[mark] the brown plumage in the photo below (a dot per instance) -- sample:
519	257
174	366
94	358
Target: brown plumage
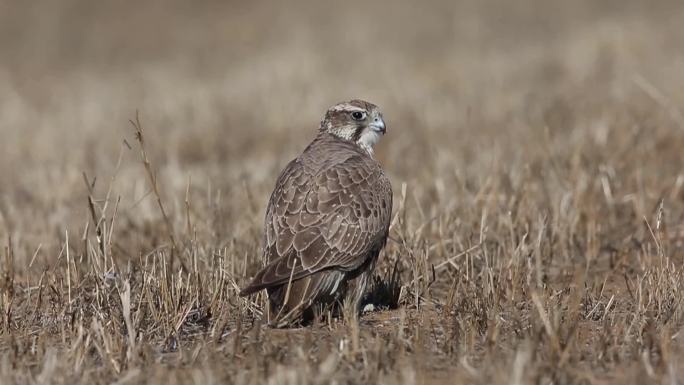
327	219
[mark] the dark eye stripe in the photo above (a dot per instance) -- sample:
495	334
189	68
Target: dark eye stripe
357	134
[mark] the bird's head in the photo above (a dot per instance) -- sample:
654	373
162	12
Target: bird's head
357	121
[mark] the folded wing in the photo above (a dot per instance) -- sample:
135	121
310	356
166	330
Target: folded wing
332	218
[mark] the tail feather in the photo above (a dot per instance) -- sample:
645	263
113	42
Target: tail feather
249	290
289	304
273	275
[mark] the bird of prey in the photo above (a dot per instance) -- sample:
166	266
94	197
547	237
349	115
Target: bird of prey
327	219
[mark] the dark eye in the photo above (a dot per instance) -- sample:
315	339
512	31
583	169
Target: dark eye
358	115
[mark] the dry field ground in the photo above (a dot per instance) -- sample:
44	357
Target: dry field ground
535	148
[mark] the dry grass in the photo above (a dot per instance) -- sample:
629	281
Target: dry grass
535	148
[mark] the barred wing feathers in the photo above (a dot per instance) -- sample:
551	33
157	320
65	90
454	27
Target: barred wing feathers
322	215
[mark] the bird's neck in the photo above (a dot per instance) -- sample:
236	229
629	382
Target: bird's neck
365	141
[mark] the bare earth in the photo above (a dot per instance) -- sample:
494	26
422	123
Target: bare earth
535	148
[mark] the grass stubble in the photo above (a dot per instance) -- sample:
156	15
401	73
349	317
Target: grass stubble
536	234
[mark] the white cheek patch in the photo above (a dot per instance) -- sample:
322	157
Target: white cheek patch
368	139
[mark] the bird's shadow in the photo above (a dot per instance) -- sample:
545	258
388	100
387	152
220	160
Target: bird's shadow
384	292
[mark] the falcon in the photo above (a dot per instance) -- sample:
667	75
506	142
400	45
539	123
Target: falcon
327	219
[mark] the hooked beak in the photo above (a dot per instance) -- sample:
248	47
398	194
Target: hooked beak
378	125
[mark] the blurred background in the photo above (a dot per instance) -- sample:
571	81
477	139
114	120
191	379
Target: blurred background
228	92
543	137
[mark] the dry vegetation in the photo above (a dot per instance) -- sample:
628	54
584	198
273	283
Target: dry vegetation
535	148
